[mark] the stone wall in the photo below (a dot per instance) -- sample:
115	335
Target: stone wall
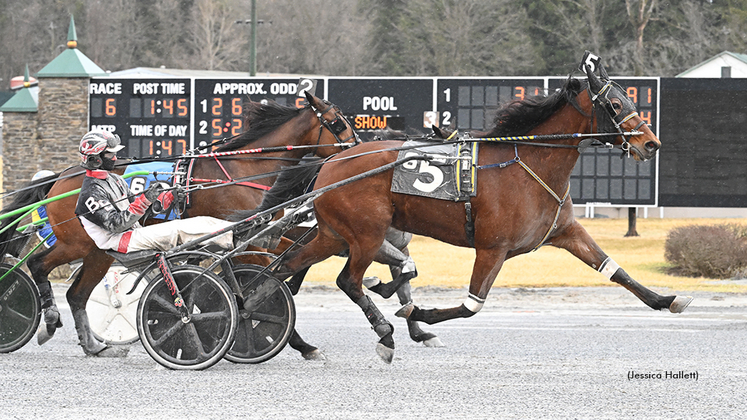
21	154
49	138
63	120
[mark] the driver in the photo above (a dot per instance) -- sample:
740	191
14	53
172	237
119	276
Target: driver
110	215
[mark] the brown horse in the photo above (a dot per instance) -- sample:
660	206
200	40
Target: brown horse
518	206
318	124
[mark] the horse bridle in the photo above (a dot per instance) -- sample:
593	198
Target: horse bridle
339	124
627	111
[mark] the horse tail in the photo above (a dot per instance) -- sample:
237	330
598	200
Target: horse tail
292	182
11	242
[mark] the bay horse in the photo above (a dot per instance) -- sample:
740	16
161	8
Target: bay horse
519	205
318	124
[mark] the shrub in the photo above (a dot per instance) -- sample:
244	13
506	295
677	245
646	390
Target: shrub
718	251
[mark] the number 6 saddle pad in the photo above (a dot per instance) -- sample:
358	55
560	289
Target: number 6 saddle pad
449	174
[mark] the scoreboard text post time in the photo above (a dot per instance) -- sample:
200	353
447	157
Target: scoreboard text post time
151	116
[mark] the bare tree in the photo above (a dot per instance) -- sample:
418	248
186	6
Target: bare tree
313	37
465	38
216	40
639	14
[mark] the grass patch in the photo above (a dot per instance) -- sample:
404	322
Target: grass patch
443	265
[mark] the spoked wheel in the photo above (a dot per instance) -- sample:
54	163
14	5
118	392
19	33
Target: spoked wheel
111	310
199	340
267	318
20	309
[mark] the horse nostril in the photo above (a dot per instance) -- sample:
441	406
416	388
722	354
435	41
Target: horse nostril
651	146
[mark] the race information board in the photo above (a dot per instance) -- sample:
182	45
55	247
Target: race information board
601	176
163	117
151	116
703	144
219	102
469	103
373	104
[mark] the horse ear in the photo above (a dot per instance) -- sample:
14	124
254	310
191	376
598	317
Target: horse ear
309	97
594	82
603	72
437	131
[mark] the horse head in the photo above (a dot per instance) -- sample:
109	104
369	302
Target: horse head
616	113
338	128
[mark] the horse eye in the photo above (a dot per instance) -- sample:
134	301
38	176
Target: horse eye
617	105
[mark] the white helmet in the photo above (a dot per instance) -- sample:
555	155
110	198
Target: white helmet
42	174
96	142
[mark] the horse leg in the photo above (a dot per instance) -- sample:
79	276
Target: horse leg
404	293
488	263
307	351
394	253
93	270
578	242
401	266
294	283
40	265
297	264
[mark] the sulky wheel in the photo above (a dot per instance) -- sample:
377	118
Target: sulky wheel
198	341
20	309
111	310
267	318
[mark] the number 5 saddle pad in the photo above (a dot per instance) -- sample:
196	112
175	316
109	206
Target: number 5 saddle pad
449	174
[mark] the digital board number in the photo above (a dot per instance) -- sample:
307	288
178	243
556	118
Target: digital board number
467	104
152	117
219	103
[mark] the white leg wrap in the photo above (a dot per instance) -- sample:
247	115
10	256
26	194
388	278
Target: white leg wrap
609	267
473	303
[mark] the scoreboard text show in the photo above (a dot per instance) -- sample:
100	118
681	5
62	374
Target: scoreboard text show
169	116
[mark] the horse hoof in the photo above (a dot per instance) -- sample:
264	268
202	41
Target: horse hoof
45	333
315	355
385	353
114	351
52	317
405	311
433	342
679	304
370	282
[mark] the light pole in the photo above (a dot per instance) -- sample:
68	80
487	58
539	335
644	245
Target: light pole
253	41
253	22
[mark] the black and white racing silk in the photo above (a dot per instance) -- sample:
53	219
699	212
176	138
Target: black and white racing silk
103	207
109	216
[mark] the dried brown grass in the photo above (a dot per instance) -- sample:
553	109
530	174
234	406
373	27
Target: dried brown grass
642	257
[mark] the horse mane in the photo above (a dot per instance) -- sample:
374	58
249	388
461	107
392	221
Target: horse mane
290	183
519	117
261	119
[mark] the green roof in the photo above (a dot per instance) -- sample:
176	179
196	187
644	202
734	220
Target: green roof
71	63
23	101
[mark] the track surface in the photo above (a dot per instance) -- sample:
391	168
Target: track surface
529	354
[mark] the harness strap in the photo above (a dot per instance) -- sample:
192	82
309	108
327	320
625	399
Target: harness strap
560	201
555	221
230	179
469	225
